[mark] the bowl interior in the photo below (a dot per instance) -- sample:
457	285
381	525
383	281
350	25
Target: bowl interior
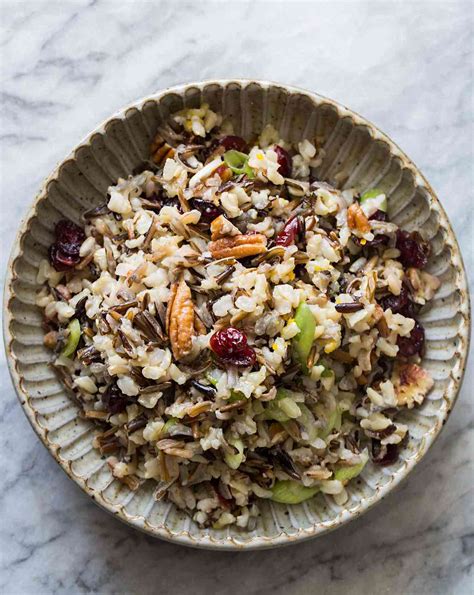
356	155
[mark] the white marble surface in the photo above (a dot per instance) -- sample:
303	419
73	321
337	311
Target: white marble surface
65	66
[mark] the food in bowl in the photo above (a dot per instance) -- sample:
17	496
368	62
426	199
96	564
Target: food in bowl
238	329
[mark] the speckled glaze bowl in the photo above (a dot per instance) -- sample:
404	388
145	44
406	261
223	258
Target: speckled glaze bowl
357	155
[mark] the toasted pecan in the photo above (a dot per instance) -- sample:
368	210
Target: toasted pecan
238	246
180	319
356	218
221	227
160	150
412	384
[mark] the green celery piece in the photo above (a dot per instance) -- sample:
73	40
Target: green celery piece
303	341
346	473
169	424
234	461
334	422
74	328
292	492
273	411
373	194
308	422
238	163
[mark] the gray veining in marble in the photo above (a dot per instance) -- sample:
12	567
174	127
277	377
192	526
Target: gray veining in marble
65	66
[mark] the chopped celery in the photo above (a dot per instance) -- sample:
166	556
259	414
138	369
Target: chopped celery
308	422
303	341
333	423
373	194
282	408
292	492
74	328
238	163
234	461
168	425
345	473
289	407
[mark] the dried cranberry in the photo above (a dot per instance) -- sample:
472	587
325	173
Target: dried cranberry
289	233
235	143
413	344
173	202
384	454
400	304
114	399
396	303
414	251
378	216
69	237
155	197
209	211
60	260
284	161
230	346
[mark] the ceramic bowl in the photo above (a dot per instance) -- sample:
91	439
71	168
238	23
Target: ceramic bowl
357	155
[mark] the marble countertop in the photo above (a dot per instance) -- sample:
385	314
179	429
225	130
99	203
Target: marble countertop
65	66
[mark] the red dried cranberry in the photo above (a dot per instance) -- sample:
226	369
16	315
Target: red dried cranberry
234	143
209	211
289	233
114	399
230	346
60	260
414	251
173	202
284	161
384	454
396	303
155	197
69	237
400	304
378	216
413	344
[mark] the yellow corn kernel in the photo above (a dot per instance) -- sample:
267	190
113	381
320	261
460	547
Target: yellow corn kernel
331	346
363	242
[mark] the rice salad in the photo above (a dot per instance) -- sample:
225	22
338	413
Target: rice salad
237	329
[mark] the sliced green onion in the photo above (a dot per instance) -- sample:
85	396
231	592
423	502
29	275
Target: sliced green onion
327	373
234	461
292	492
235	396
346	473
74	328
211	379
238	163
373	194
303	341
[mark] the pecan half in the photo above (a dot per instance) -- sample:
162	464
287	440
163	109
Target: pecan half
180	319
160	150
238	246
356	218
411	384
220	227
